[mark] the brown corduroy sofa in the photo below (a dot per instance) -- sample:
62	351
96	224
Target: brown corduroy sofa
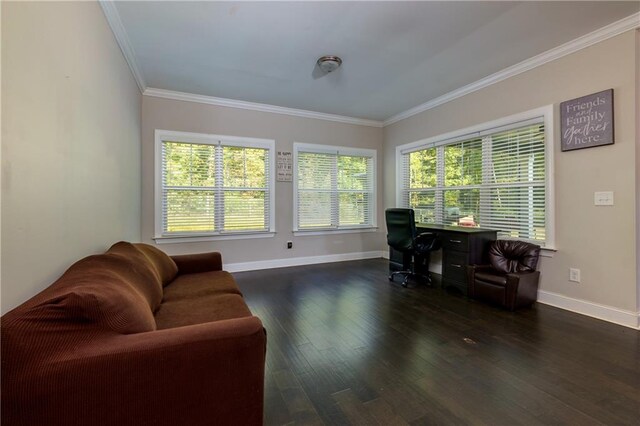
134	337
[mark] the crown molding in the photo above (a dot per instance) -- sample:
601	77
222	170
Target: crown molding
604	33
113	18
252	106
616	28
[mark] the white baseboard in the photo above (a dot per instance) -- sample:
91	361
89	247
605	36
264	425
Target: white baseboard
595	310
298	261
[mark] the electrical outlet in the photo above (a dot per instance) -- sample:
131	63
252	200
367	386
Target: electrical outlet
289	244
574	275
603	198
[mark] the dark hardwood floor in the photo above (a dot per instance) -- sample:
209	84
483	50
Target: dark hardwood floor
347	347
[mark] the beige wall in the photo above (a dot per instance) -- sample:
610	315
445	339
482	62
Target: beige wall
71	156
183	116
601	241
70	143
638	171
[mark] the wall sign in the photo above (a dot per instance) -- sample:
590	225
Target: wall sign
284	166
587	121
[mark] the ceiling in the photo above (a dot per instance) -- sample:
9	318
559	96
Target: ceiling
397	55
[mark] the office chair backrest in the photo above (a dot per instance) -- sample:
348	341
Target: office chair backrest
401	228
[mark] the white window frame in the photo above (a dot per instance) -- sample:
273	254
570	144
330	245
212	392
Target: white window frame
210	139
546	113
342	150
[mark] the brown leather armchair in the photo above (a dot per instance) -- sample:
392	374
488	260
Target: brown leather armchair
511	279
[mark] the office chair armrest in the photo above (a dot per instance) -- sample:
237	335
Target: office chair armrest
426	241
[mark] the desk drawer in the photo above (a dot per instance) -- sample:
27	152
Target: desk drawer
455	241
454	266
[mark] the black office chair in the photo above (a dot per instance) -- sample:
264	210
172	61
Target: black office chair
402	236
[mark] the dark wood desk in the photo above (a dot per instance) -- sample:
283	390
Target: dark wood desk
461	246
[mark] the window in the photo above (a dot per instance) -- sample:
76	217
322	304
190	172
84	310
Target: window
496	177
209	185
334	188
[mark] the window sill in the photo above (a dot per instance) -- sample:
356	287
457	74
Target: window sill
547	251
333	231
202	238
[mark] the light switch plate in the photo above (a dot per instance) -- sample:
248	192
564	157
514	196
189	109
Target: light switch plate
574	275
603	198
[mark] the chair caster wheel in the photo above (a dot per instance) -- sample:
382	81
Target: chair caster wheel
404	284
390	278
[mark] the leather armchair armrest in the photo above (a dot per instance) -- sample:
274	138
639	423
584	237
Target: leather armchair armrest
201	262
521	287
480	268
525	276
471	277
472	269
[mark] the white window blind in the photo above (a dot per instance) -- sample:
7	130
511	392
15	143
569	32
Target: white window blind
213	187
334	189
494	179
515	196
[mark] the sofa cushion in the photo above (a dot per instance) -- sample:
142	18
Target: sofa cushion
96	289
200	310
202	284
146	279
163	264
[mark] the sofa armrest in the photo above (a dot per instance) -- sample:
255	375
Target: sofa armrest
200	262
211	373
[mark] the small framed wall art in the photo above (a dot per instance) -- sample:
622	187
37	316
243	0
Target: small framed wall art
284	166
587	121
